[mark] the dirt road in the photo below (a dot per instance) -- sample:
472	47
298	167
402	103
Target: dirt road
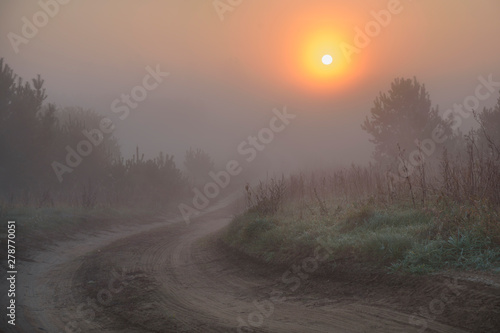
178	278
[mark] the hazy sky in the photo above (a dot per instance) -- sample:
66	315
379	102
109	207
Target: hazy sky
227	75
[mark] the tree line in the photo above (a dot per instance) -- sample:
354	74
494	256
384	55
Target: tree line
46	157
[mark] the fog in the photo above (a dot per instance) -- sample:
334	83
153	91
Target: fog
250	165
228	70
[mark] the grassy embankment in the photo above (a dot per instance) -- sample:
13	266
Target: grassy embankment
370	234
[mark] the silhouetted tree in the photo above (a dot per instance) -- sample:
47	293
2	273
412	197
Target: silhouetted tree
35	137
26	131
402	116
153	182
489	134
105	151
198	164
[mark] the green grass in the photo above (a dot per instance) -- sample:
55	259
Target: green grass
393	238
466	250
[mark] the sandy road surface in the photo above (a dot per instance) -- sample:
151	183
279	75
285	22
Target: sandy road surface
173	279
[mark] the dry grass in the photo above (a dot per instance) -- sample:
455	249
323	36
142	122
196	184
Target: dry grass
445	214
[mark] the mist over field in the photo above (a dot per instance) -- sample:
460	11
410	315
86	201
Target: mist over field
250	165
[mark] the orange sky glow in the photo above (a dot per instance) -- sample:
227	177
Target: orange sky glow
227	74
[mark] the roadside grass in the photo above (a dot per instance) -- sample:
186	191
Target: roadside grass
38	227
395	238
50	218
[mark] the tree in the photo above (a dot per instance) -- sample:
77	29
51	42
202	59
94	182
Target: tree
151	182
489	121
33	135
105	151
198	164
26	131
403	116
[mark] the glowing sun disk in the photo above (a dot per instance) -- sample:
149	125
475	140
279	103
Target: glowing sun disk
327	59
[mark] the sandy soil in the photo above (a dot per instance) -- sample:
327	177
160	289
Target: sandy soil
173	277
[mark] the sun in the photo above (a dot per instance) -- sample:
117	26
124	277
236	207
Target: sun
308	52
327	59
320	65
324	46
